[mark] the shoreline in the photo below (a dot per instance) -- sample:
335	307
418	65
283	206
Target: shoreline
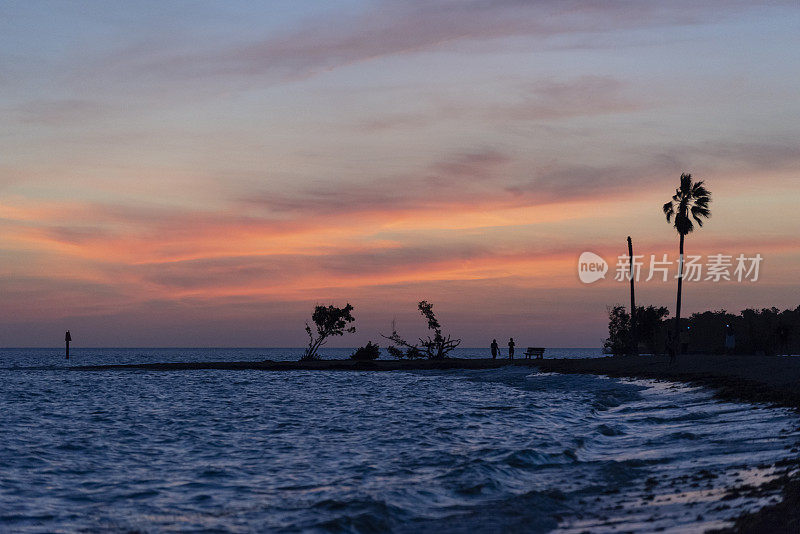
756	379
760	379
773	380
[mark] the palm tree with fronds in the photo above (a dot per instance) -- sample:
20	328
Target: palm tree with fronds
689	205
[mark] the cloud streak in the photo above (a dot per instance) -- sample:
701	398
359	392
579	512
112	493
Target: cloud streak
549	100
391	28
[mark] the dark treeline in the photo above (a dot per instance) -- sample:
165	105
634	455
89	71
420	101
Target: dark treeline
767	331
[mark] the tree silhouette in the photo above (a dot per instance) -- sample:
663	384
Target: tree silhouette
434	348
619	326
689	205
329	321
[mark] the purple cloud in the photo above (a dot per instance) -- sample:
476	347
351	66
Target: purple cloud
445	182
542	101
390	28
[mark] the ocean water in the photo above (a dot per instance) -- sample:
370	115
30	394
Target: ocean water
507	449
10	357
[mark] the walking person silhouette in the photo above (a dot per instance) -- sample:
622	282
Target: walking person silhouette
495	348
511	348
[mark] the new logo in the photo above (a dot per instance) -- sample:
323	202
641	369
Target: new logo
591	267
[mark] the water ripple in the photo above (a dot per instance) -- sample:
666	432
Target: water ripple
452	451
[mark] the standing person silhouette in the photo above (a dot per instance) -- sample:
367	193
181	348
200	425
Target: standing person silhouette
511	348
495	348
67	339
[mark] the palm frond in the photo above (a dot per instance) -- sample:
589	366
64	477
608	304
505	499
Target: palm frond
699	188
683	224
668	210
702	202
683	207
686	183
689	205
699	213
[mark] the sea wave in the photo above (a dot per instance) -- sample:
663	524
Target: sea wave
445	451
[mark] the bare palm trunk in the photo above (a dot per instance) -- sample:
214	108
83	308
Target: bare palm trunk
677	337
634	333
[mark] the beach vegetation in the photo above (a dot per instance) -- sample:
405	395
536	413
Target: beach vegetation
619	339
328	321
765	331
651	331
649	324
368	352
435	346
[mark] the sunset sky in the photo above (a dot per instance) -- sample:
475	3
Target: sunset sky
204	173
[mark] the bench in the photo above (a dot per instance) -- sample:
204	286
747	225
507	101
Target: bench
534	351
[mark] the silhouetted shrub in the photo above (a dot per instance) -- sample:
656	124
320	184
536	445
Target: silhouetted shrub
705	332
434	348
619	331
370	351
649	324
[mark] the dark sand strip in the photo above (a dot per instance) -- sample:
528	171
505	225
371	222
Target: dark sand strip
771	379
